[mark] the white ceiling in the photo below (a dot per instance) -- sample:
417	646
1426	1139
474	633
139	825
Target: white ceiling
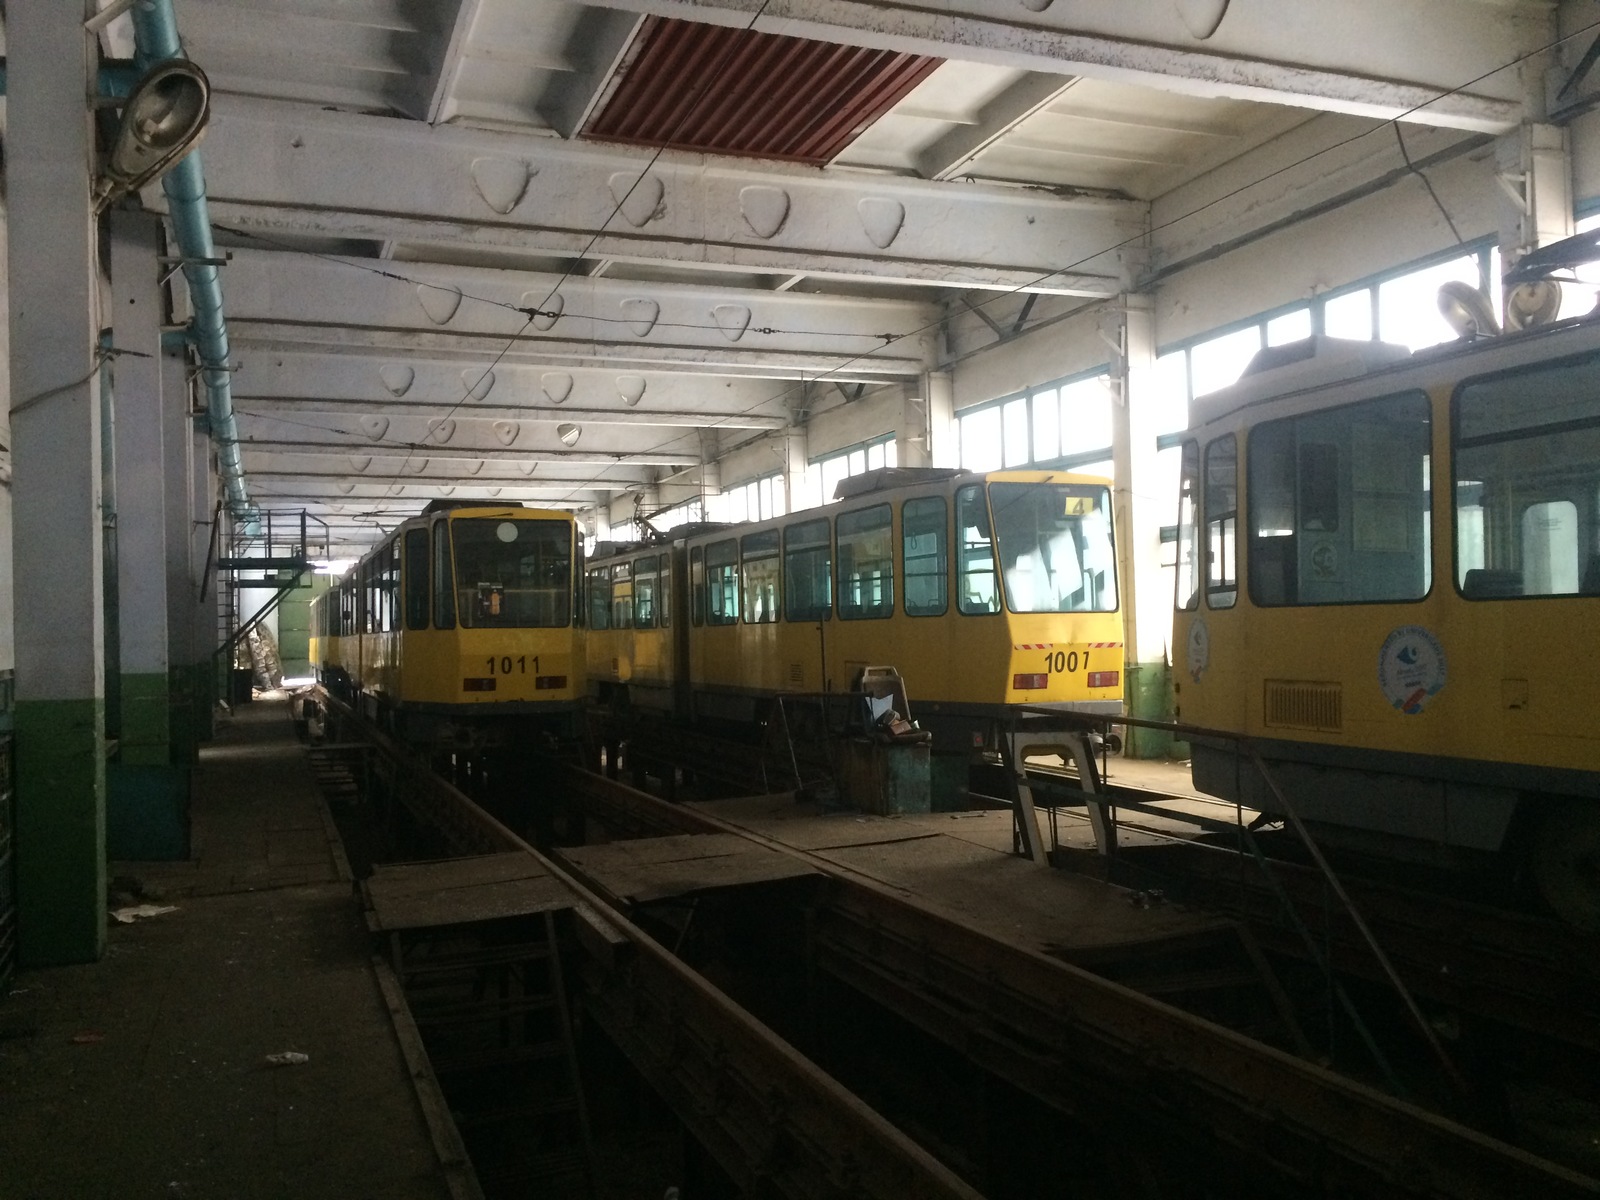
433	142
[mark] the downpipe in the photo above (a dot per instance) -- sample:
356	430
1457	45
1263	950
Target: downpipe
156	39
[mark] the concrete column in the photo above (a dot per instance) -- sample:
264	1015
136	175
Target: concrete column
177	443
796	457
141	489
56	487
911	436
1140	499
944	446
1535	167
203	517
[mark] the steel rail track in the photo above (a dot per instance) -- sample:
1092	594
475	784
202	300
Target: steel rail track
776	1122
1079	1042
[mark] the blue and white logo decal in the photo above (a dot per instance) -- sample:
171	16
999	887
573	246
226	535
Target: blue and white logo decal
1411	668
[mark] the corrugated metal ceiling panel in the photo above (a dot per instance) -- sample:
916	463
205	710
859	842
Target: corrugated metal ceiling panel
732	91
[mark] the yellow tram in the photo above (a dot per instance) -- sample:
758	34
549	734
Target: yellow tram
460	629
985	592
1390	582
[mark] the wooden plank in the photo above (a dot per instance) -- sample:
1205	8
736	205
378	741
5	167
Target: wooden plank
461	890
649	869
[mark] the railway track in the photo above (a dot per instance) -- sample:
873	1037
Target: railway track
1080	1043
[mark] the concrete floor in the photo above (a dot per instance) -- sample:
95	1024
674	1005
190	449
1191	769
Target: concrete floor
146	1074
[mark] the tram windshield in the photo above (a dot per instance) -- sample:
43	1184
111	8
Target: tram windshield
1055	546
513	574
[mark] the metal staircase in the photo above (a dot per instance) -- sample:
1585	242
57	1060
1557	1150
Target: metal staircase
276	557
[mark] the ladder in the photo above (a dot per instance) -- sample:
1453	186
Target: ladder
489	999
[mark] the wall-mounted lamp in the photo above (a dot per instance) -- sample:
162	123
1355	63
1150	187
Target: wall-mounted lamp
163	119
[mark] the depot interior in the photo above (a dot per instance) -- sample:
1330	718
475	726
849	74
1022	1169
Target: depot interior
659	263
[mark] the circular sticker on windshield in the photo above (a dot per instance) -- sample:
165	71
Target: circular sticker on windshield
1411	668
506	531
1199	656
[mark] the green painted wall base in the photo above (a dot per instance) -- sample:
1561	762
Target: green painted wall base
147	812
1150	697
206	691
61	831
145	737
181	722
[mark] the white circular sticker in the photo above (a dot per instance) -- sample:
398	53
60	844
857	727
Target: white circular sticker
1411	668
1199	656
506	531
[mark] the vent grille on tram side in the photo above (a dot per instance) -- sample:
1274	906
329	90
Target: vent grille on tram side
1291	704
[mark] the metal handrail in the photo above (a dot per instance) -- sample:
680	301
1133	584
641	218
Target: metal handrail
1244	746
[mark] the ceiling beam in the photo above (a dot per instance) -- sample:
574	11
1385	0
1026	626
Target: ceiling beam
1371	58
509	391
421	454
640	320
276	168
314	409
948	155
599	41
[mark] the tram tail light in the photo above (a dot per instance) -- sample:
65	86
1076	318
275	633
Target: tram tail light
544	683
1029	683
477	685
1104	678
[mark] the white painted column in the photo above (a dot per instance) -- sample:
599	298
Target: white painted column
944	444
796	443
203	582
1534	165
56	486
911	441
177	448
1141	508
140	490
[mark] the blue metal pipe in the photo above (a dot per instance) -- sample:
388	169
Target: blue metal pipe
155	31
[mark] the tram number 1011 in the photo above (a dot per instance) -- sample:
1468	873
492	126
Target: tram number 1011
506	665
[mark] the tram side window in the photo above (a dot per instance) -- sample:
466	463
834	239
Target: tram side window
1222	522
759	569
1187	597
808	571
444	587
1339	505
1527	483
391	588
697	587
722	582
866	563
925	542
664	591
622	596
600	598
645	574
416	578
978	591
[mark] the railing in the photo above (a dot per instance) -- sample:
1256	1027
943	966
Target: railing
1105	801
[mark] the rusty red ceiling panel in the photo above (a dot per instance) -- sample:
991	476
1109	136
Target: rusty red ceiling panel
733	91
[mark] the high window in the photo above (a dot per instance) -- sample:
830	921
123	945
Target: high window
1063	424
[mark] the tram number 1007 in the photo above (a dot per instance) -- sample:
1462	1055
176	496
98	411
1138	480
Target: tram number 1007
1066	661
506	665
